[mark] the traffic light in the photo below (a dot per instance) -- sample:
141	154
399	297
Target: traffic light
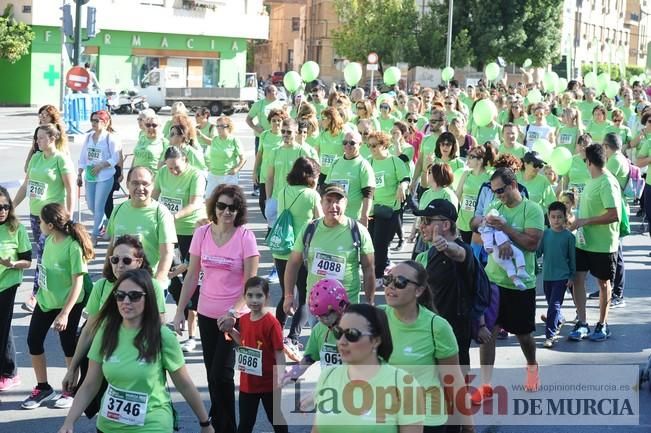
91	18
68	27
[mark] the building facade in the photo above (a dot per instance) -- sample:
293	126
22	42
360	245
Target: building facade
205	41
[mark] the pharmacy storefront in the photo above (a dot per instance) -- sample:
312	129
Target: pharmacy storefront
120	59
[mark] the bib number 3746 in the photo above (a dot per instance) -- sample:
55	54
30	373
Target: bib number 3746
125	407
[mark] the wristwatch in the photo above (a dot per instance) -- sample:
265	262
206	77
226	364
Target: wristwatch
205	423
232	313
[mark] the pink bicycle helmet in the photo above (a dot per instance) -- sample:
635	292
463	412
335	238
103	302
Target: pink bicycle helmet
327	295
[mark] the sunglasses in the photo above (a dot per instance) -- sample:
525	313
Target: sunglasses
474	157
397	281
384	106
94	120
435	120
349	142
133	296
429	220
352	335
499	190
116	259
286	131
361	107
448	103
222	126
5	207
222	206
151	125
412	120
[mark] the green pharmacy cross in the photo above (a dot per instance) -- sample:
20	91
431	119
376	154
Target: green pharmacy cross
51	76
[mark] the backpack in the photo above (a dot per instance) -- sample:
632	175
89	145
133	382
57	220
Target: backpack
634	182
281	237
311	229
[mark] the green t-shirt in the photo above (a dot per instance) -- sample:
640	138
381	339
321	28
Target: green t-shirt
644	152
319	336
352	175
12	243
153	225
148	152
518	150
45	180
387	124
586	108
333	416
224	155
282	160
526	215
102	290
553	121
599	130
176	192
428	338
301	201
330	149
333	255
539	188
624	133
430	194
268	143
192	154
260	110
365	151
469	198
209	130
319	107
567	137
600	193
60	262
578	174
389	172
487	133
619	167
427	147
126	372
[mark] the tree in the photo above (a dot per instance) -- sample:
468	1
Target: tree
15	38
432	40
383	26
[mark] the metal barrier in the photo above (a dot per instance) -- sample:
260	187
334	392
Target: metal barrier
78	107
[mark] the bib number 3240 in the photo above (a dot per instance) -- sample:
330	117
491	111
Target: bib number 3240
125	407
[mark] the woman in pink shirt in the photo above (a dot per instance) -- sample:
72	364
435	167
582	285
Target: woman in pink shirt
227	254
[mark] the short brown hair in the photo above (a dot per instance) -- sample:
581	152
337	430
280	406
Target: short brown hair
442	174
382	138
232	191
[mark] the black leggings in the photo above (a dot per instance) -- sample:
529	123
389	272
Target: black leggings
219	360
40	324
248	404
382	231
262	200
299	318
647	204
7	348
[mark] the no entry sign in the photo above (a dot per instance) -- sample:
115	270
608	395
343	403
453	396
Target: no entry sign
77	78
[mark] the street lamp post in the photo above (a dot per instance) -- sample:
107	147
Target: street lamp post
448	51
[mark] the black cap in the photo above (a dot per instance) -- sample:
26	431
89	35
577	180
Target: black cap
534	158
438	207
317	85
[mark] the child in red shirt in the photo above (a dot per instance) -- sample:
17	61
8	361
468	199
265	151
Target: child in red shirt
260	337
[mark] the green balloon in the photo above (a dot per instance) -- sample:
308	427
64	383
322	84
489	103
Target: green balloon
550	81
561	160
527	63
310	71
391	76
484	112
292	81
544	148
352	73
561	85
612	88
642	77
447	73
590	80
492	71
534	96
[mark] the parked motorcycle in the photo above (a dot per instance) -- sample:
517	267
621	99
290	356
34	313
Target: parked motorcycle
125	102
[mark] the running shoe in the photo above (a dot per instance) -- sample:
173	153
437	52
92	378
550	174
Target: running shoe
6	383
484	392
580	331
533	379
273	276
29	304
65	401
291	350
398	246
189	345
549	343
617	302
38	397
601	332
594	295
503	334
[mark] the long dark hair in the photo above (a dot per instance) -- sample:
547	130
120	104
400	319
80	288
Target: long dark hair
12	221
148	339
426	299
133	242
55	214
378	326
305	171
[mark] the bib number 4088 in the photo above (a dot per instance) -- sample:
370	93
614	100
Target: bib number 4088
327	265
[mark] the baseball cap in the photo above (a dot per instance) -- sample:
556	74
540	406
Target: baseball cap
334	189
438	207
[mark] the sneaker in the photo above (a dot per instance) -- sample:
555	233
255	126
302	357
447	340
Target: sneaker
503	334
38	397
189	345
617	302
594	295
533	379
398	247
273	276
65	401
601	332
291	350
549	343
7	383
29	304
580	331
255	193
484	392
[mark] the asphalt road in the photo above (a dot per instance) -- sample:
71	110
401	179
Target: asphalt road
629	345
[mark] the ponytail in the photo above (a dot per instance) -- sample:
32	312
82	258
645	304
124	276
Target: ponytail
77	232
55	214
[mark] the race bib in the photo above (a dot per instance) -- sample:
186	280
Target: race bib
469	203
578	187
329	355
125	407
580	237
42	277
327	160
94	154
342	183
174	205
217	262
379	180
565	139
37	190
249	360
329	266
531	137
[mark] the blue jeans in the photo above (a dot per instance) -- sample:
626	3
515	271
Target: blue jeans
39	243
554	294
96	195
